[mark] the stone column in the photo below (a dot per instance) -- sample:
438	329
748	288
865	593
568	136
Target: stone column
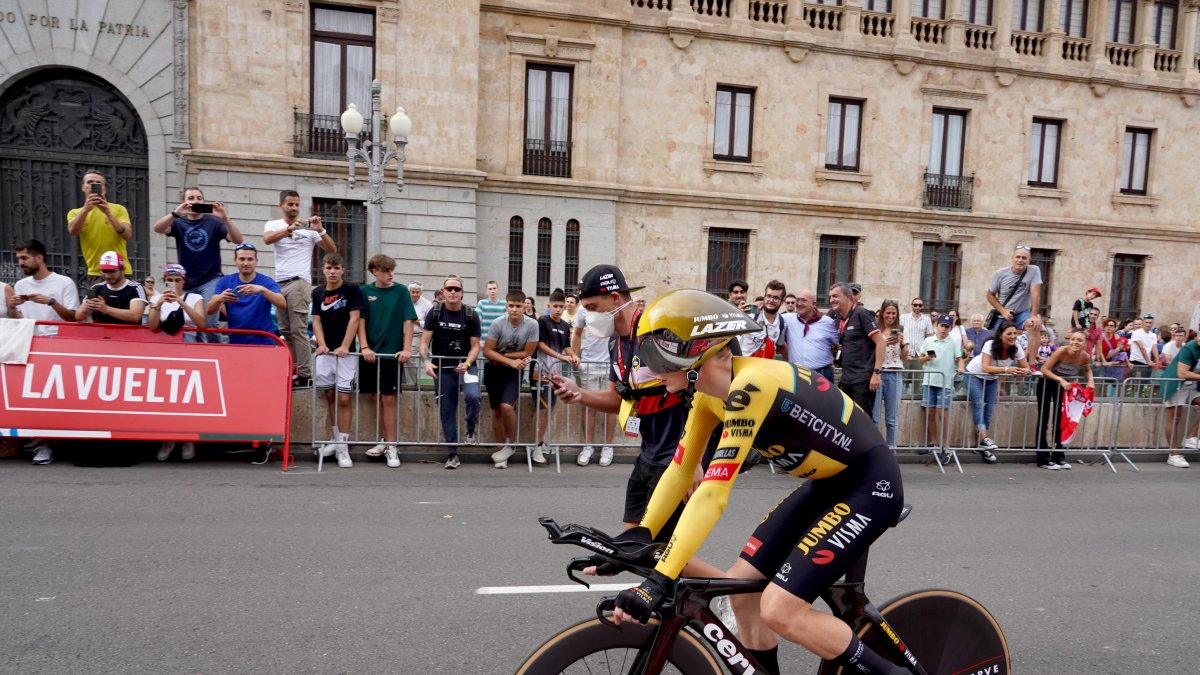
903	12
1144	60
1052	26
1002	16
1097	30
1187	34
956	36
852	21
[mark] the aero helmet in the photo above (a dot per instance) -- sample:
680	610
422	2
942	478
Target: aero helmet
682	329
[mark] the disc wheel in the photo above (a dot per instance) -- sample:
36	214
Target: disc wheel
594	648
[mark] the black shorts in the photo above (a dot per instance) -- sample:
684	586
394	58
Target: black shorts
815	534
542	393
381	377
641	485
503	384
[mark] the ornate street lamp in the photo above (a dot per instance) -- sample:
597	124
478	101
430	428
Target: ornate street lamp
376	154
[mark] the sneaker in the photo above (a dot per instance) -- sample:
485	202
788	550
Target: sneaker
539	457
189	451
1052	466
343	456
987	456
585	455
501	456
452	462
1192	443
376	450
325	450
472	437
606	455
165	451
45	455
1174	460
924	451
944	457
989	444
1064	466
393	456
299	382
502	465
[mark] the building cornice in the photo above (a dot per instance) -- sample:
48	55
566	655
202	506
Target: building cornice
323	168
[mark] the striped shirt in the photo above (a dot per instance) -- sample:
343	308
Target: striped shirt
489	311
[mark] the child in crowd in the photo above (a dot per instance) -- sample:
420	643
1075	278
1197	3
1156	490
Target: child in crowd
1046	348
942	361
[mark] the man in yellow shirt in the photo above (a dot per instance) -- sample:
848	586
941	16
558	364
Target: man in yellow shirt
100	225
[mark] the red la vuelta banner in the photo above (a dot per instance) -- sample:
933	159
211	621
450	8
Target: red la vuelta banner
73	386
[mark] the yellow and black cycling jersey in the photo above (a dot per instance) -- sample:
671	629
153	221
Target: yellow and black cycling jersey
793	417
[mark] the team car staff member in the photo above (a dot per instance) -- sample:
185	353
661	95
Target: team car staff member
804	425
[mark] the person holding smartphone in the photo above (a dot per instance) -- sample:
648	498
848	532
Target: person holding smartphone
941	360
101	226
198	228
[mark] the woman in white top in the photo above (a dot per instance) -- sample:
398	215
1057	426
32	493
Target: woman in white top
891	382
1000	356
957	333
163	304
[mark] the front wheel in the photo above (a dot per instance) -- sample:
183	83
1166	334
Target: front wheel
595	648
947	632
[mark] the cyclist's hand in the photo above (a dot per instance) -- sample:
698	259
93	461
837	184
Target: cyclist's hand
639	603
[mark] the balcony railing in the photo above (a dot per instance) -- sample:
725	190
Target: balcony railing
929	31
769	11
1028	44
878	24
950	193
547	158
1076	49
980	37
664	5
823	17
712	7
1122	55
321	136
1167	60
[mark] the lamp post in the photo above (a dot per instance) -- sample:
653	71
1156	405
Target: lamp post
376	154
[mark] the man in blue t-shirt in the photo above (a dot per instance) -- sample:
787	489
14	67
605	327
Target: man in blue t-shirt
247	297
198	229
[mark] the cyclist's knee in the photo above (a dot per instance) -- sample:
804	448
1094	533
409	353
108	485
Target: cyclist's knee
783	612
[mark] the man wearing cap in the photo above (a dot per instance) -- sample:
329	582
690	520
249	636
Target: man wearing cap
659	419
116	300
1015	292
1080	316
1143	348
246	297
100	225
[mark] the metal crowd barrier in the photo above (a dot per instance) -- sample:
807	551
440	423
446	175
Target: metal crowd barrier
418	423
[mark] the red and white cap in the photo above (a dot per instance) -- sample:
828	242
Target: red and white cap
111	260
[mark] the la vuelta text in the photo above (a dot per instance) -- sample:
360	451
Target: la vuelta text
114	383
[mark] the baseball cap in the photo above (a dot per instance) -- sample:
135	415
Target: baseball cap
174	268
415	284
946	320
1095	290
1147	316
111	260
603	279
855	288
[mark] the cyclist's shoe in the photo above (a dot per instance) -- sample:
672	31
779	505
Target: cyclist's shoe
538	455
987	456
393	456
452	462
1052	466
1064	466
585	455
989	444
1177	461
376	450
502	455
606	455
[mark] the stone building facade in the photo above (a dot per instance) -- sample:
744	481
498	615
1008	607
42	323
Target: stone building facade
905	144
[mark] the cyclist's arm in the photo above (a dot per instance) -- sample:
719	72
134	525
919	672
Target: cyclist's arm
677	479
707	504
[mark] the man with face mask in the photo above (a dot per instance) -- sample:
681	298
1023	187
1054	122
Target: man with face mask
659	420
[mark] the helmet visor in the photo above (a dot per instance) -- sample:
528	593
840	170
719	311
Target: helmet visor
661	352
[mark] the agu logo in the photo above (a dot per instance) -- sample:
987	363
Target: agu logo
882	489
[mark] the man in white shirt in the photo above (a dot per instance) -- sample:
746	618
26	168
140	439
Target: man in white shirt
916	326
294	240
42	295
1143	348
808	337
422	305
763	344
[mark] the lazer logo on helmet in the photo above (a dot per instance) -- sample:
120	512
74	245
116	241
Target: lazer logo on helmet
719	327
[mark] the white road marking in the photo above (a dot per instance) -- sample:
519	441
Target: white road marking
565	588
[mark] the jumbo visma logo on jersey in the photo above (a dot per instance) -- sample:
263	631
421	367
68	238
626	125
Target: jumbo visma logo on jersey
838	527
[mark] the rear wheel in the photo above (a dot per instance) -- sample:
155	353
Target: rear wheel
947	632
595	648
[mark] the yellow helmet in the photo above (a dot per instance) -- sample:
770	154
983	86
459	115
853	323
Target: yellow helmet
682	329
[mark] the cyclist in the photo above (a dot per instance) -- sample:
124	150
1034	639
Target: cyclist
803	424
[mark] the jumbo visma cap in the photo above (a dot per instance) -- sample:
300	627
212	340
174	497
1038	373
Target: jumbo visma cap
682	329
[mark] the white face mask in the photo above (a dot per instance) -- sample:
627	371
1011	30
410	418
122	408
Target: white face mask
602	324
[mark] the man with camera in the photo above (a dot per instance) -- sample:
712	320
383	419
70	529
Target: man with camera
294	240
198	228
41	295
100	225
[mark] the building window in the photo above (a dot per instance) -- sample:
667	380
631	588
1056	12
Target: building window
1135	160
516	252
1027	16
343	65
945	186
928	9
835	263
548	121
346	223
842	136
1164	24
1043	152
878	6
571	264
545	238
1126	292
1122	15
1044	259
1073	14
727	252
979	12
941	265
734	125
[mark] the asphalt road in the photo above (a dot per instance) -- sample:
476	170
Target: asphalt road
231	568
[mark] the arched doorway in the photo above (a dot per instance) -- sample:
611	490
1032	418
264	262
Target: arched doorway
56	124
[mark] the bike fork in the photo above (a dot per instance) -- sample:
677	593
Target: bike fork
651	661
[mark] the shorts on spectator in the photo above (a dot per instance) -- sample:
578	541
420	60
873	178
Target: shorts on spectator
936	397
542	392
329	369
1184	395
381	377
503	384
594	375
